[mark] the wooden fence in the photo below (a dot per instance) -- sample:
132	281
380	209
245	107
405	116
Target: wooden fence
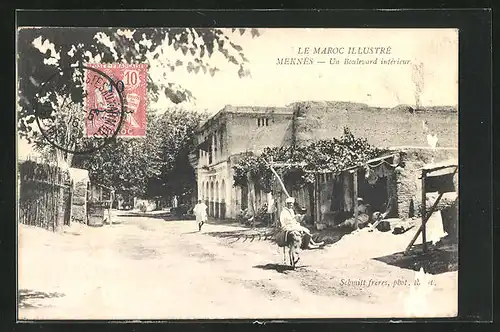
44	195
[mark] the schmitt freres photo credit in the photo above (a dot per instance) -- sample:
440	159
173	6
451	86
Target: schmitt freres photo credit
236	173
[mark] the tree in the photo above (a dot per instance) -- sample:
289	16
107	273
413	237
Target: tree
80	45
150	166
324	155
172	137
134	166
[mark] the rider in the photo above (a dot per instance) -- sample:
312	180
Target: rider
289	222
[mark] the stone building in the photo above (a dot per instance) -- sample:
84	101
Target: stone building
223	138
235	130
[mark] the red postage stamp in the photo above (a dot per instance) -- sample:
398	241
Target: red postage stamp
131	81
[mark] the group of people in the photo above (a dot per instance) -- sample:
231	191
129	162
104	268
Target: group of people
288	221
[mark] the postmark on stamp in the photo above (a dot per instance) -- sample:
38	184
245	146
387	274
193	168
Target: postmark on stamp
61	114
131	80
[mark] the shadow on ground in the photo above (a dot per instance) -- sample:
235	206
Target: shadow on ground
268	234
245	235
438	259
163	215
281	268
26	296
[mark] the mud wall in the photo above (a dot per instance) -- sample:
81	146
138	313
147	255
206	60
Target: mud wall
383	127
409	185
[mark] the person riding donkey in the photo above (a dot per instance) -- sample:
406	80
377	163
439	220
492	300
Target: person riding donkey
289	222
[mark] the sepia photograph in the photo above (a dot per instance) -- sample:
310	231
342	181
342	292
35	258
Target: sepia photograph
172	173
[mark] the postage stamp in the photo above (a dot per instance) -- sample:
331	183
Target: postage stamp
62	118
131	80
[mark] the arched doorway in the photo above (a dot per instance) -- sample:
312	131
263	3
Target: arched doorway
217	200
223	200
206	195
212	200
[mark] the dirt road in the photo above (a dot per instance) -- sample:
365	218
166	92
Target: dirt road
146	267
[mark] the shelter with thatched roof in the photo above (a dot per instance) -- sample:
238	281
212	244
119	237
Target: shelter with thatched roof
234	131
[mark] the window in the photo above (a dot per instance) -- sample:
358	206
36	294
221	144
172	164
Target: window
263	122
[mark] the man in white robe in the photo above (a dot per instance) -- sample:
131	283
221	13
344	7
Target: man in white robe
290	222
200	211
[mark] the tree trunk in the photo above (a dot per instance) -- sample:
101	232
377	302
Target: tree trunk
251	194
64	159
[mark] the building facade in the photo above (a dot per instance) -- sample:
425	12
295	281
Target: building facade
234	131
230	133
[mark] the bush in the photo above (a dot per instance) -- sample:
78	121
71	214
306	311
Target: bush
243	216
332	155
180	211
262	217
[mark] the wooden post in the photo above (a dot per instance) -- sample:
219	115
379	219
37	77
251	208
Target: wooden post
424	212
279	180
315	204
424	221
318	198
355	194
71	193
60	208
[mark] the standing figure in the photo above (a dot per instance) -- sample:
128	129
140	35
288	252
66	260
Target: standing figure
107	215
200	211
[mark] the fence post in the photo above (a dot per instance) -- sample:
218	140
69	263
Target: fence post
60	209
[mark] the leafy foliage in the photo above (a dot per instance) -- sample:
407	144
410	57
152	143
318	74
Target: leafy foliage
261	216
110	45
324	155
30	170
150	166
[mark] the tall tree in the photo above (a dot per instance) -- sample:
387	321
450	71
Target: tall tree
173	139
67	47
152	166
131	165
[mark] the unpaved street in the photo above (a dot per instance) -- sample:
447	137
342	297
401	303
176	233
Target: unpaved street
146	267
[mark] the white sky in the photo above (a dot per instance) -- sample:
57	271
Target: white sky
376	85
278	85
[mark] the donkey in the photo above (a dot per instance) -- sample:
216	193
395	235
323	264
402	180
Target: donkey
293	241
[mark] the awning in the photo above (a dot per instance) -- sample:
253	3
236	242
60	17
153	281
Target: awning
441	168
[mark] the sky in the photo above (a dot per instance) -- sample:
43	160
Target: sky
272	84
381	85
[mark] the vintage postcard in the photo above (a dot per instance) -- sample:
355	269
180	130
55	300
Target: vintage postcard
237	173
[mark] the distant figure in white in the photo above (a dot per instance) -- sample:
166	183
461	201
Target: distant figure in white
200	211
290	222
432	138
174	202
107	216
